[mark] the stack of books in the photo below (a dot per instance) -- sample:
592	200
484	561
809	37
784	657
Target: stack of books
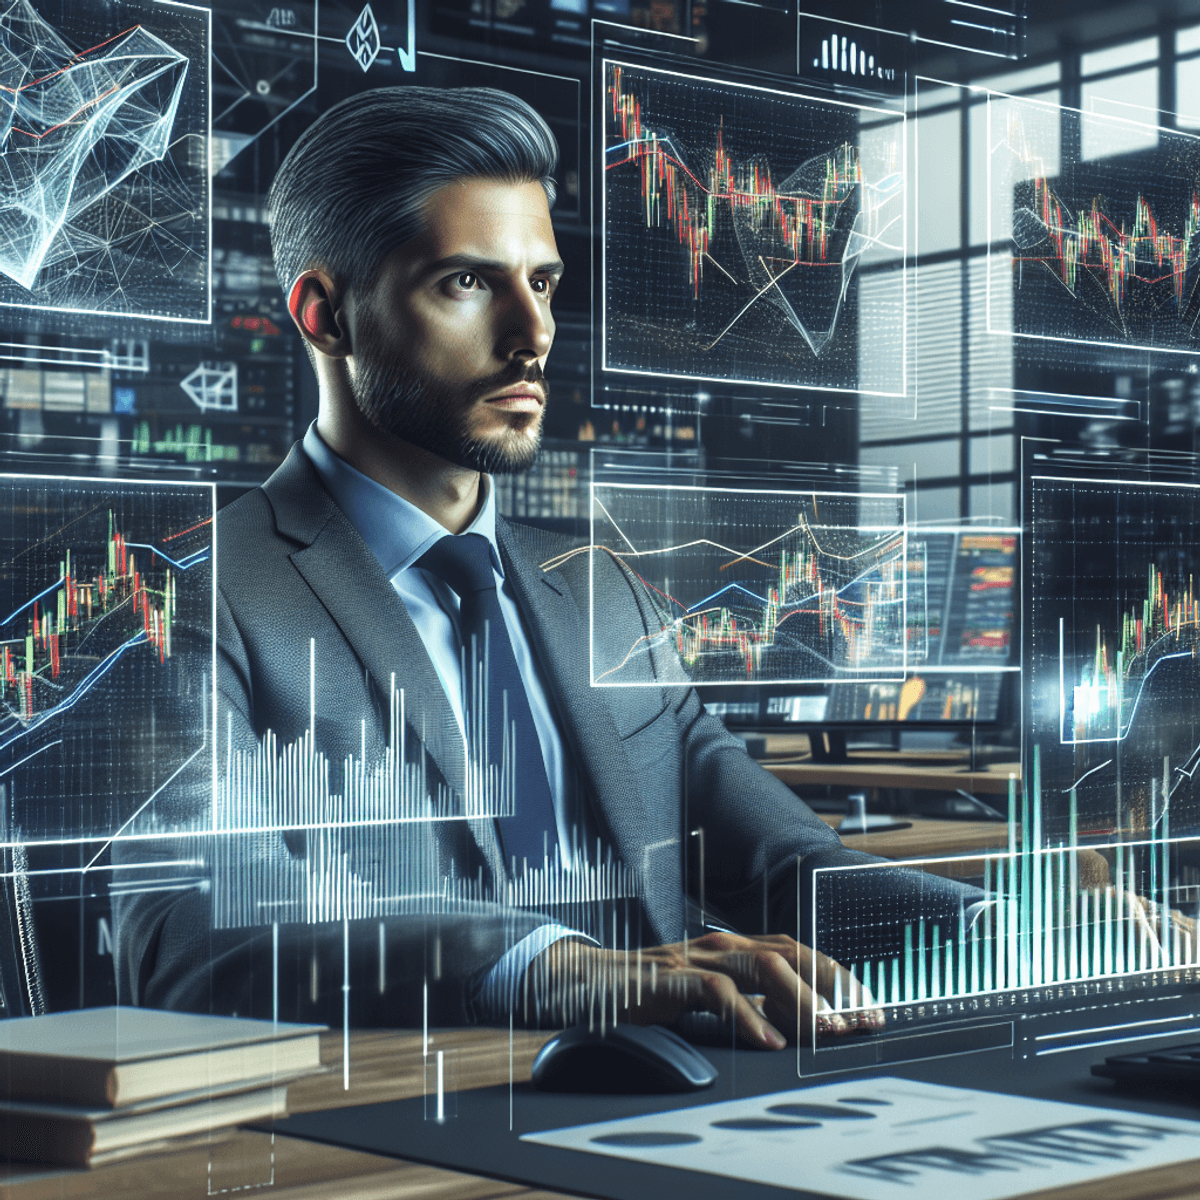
89	1087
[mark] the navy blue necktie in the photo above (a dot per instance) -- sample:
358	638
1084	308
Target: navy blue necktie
464	563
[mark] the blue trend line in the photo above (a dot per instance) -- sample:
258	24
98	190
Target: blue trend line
31	603
86	686
182	565
1141	688
727	588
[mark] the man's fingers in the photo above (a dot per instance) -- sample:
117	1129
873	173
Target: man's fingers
718	993
784	970
829	978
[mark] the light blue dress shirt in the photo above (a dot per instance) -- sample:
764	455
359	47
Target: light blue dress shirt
398	533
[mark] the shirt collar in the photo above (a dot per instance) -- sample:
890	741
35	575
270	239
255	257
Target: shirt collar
396	531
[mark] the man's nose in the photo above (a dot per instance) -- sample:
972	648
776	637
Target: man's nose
527	328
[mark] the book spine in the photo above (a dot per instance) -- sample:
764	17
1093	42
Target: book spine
60	1081
63	1141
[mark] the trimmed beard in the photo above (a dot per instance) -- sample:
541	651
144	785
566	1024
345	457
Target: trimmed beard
400	402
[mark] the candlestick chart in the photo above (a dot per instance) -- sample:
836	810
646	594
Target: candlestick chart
1106	694
95	579
1103	249
735	223
1111	650
749	587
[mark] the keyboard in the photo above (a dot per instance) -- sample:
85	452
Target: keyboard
1175	1065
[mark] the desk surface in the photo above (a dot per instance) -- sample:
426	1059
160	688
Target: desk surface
789	757
916	771
387	1066
248	1163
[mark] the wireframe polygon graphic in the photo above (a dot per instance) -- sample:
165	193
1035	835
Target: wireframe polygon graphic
751	587
96	581
1103	250
736	223
212	387
363	39
1112	687
103	158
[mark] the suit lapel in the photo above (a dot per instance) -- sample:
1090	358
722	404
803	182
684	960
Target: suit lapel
348	580
560	636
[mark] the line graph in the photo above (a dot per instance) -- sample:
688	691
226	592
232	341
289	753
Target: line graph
735	222
64	615
1093	242
753	587
1104	249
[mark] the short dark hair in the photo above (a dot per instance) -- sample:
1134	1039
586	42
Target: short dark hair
353	187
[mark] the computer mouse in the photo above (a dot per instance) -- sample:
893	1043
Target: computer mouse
621	1058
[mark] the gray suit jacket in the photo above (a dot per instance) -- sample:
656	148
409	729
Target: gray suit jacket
654	766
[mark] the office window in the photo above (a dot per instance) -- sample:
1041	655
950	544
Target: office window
1133	98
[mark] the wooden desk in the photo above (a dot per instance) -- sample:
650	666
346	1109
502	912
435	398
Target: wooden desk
957	845
900	771
387	1065
384	1065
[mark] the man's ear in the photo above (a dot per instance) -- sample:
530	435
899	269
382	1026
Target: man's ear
315	305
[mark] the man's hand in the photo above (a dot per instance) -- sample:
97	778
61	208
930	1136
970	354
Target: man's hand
719	973
1176	943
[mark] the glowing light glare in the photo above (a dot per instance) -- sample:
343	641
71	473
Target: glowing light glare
73	126
1088	701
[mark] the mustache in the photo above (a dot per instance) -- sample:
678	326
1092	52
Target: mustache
517	373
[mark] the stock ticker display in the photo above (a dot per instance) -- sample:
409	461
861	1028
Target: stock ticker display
1104	244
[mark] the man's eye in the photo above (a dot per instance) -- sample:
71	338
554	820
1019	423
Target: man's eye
541	286
466	280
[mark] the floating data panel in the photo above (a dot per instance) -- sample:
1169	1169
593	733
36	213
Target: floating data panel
748	587
1112	682
737	223
105	650
1099	245
1047	915
106	200
997	28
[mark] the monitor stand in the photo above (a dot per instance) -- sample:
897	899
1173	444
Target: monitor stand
828	745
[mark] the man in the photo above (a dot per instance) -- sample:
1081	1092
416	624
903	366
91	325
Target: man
412	235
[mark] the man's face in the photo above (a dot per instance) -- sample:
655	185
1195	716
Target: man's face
451	338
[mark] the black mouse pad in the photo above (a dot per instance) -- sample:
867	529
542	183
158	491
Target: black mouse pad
479	1139
483	1137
